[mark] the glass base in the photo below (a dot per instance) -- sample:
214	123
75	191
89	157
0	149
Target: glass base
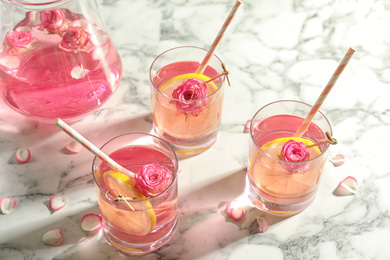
140	249
183	148
274	208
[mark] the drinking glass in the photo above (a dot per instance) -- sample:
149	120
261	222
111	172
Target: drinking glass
274	185
189	125
139	225
56	58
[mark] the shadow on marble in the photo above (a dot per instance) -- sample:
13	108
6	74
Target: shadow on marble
28	243
204	227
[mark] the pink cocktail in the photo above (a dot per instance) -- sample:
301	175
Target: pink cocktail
57	63
142	223
190	123
274	185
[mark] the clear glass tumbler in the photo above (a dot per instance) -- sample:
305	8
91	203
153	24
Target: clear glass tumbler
136	224
274	185
187	118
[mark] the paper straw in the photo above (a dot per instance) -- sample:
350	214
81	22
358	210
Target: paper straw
218	39
90	147
305	124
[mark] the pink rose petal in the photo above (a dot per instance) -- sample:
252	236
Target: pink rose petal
247	127
74	147
7	205
53	237
263	224
348	186
100	53
78	72
10	62
57	202
235	211
91	222
22	155
338	160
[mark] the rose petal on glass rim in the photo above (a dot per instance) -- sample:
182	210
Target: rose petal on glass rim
57	202
348	186
91	222
10	62
247	127
235	210
22	155
263	224
338	160
74	147
53	237
78	72
7	205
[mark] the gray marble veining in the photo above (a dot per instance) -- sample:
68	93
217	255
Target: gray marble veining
274	50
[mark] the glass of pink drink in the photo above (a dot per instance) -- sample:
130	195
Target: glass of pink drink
274	185
142	223
189	124
56	59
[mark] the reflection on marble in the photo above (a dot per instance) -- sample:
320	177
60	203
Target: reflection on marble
274	50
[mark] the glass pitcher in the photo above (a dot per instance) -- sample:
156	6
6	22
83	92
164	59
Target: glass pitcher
56	58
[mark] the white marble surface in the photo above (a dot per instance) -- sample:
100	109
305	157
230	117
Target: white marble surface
275	49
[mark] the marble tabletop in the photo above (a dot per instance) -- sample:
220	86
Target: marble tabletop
274	50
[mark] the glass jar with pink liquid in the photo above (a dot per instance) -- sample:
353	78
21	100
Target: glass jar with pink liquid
56	58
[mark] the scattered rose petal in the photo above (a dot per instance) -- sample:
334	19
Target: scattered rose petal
235	211
53	237
7	205
338	160
57	202
247	127
74	147
22	155
78	72
91	222
348	186
263	224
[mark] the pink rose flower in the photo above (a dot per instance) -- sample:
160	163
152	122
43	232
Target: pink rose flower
293	151
153	179
54	21
74	38
18	41
190	91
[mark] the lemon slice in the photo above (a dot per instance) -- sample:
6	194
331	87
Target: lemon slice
139	221
178	80
281	141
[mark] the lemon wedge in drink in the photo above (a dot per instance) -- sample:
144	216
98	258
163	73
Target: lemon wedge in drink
279	142
178	80
137	222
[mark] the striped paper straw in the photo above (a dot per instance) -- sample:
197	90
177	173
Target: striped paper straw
305	124
218	39
90	147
